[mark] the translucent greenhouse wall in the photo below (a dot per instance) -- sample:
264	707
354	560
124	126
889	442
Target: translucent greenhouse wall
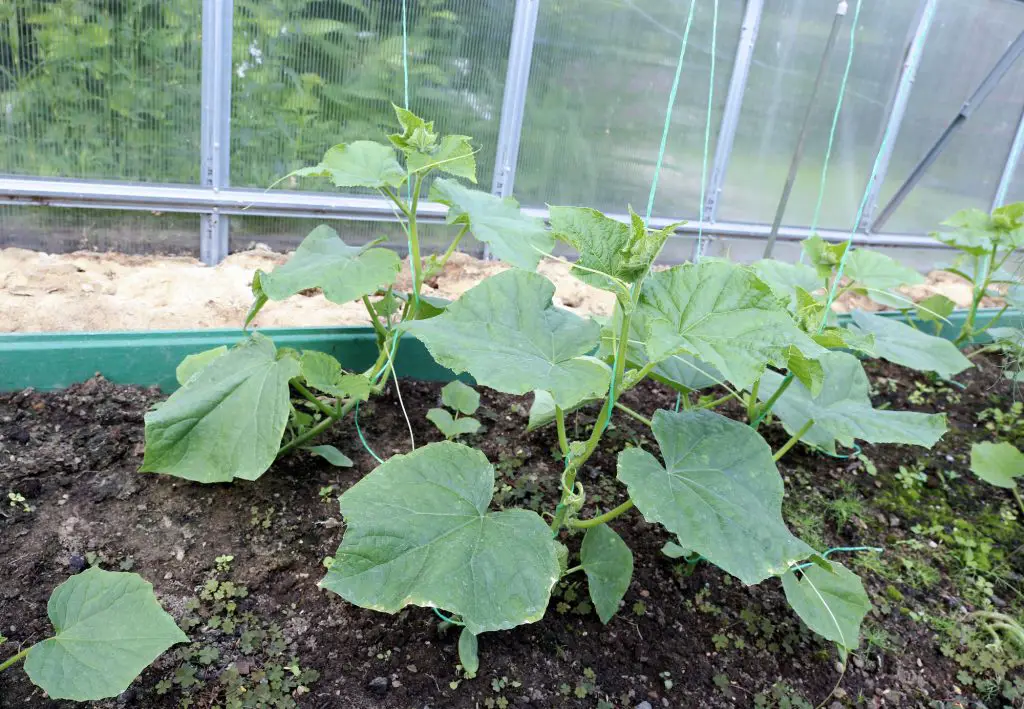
565	99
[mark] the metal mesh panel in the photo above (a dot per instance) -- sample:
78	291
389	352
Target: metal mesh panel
96	89
966	40
786	60
60	230
601	75
311	74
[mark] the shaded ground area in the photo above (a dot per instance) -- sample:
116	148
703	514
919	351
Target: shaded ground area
687	636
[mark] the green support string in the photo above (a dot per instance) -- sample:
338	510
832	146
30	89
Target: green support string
707	138
834	550
446	619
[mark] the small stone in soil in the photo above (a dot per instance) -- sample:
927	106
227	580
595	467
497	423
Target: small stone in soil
77	563
378	686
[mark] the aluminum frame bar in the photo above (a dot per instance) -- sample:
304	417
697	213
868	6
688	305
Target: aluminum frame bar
1010	167
215	148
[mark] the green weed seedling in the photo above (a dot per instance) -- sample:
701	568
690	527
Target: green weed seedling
422	528
999	464
463	400
108	627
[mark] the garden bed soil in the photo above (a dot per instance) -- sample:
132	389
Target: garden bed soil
88	291
686	636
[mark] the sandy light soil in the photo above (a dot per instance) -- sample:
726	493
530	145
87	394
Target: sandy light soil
87	291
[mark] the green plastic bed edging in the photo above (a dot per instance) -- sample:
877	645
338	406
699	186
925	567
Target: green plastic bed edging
48	361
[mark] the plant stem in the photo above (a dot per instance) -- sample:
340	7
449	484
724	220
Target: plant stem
318	429
20	656
381	332
752	401
309	396
563	440
439	266
1016	496
767	408
639	417
994	321
718	402
601	519
793	441
414	241
398	202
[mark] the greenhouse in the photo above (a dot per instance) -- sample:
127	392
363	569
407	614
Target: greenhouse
512	353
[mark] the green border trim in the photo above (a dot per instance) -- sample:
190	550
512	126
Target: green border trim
48	361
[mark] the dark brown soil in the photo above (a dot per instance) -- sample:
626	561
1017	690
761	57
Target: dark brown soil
687	636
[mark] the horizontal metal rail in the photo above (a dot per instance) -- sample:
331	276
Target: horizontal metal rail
281	203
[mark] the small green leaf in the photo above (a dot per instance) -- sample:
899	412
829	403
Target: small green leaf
542	410
831	603
608	563
998	464
842	411
824	256
872	269
718	491
109	627
726	316
674	551
417	134
452	427
259	298
323	260
513	237
454	155
972	232
324	373
193	363
622	251
460	397
469	653
786	278
332	455
904	345
227	421
359	164
935	308
419	533
518	349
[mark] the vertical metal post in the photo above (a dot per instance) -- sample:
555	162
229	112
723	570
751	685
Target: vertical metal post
898	108
215	149
513	105
1010	168
733	106
798	152
988	84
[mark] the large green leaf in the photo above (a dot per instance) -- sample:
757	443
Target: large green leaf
513	237
998	464
419	533
972	232
454	155
831	603
359	164
324	261
606	245
508	335
786	278
907	346
227	421
193	363
608	563
725	315
324	373
842	410
873	269
719	492
109	627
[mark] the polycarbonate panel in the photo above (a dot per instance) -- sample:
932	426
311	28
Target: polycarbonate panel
308	75
62	230
285	234
786	60
600	79
966	40
100	89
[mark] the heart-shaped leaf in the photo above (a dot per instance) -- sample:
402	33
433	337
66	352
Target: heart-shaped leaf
460	397
718	491
907	346
608	563
324	373
363	163
227	421
419	533
831	603
515	350
842	411
998	464
875	270
195	362
109	627
513	237
324	261
452	427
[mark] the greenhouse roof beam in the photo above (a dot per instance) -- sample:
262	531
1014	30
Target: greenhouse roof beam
1012	162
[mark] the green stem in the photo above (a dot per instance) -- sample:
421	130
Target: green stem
793	441
572	570
20	656
767	408
309	396
752	401
1020	502
414	241
381	332
638	416
967	331
718	402
995	320
439	266
563	440
602	519
318	429
398	202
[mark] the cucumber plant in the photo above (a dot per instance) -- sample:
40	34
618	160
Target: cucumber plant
108	627
421	528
